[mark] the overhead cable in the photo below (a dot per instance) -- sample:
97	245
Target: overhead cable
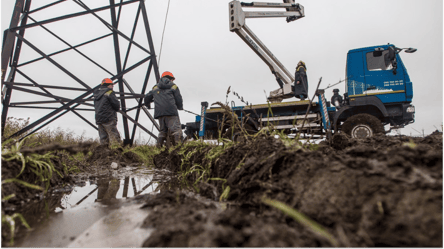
163	32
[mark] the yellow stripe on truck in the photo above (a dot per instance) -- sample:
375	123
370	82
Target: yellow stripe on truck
367	94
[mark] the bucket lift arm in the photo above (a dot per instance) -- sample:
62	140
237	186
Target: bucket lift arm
237	24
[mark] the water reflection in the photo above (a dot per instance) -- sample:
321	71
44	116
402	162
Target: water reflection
106	188
69	210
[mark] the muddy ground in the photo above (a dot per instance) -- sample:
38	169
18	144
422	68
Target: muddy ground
383	191
96	163
99	159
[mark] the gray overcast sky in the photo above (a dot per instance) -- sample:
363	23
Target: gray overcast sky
206	58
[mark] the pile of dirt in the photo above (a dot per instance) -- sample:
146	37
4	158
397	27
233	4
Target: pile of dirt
103	156
381	191
182	220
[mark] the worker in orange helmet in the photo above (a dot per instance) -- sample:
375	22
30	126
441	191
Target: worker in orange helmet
167	101
106	106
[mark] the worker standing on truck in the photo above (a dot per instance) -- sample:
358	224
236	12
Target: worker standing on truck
167	100
336	99
301	83
106	106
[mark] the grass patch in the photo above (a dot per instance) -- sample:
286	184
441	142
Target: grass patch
9	220
40	165
146	153
43	137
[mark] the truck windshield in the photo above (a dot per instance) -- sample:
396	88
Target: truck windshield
378	60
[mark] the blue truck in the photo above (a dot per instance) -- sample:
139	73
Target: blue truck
378	92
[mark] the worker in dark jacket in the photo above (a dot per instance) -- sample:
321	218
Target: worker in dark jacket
167	100
106	106
300	82
336	99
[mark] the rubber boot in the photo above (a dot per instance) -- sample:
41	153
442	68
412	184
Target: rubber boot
177	139
160	141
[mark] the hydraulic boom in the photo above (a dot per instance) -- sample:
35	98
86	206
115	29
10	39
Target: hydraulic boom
237	24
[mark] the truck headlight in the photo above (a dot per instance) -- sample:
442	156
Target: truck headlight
410	109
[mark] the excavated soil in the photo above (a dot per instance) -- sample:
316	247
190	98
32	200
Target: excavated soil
382	191
102	155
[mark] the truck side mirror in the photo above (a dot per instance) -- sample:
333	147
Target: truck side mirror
410	50
392	58
391	54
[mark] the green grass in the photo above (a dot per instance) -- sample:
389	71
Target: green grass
9	220
146	153
200	172
40	165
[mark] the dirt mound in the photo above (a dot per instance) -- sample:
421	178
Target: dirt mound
382	191
183	221
104	156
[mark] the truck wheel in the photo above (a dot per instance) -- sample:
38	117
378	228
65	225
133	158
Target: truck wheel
362	125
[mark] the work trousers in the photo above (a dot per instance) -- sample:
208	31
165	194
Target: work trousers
108	132
171	124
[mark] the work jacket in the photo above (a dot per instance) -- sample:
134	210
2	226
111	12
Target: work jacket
106	105
302	87
166	97
336	98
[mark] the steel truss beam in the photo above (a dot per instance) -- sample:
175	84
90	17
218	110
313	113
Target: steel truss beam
14	39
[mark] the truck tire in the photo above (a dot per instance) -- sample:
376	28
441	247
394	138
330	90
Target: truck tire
362	125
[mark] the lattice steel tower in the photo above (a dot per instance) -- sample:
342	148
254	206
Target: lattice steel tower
70	46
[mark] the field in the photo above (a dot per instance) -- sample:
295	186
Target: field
263	191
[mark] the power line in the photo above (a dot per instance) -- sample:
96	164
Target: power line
163	32
161	45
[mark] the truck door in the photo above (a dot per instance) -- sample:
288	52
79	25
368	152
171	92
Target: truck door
355	73
380	80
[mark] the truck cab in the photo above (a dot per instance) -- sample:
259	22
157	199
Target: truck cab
378	85
371	72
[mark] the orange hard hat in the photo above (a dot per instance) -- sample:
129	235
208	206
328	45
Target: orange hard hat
169	74
107	81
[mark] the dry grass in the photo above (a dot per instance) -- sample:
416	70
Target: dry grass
46	136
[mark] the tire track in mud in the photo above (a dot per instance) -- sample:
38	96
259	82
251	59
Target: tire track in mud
382	191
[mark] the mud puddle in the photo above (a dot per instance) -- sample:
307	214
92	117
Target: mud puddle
63	215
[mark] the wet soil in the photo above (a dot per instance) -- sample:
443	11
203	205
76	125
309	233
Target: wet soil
382	191
100	158
104	156
97	164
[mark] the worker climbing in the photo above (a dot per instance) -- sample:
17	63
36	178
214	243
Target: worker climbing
300	82
106	106
167	100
